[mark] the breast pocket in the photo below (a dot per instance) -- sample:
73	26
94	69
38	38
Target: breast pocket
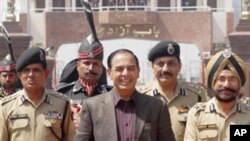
180	126
20	129
19	124
208	135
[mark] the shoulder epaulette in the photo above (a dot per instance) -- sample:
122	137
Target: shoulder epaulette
8	98
245	100
198	107
144	89
59	95
62	86
194	87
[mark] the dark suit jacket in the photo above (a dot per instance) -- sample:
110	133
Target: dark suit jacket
98	120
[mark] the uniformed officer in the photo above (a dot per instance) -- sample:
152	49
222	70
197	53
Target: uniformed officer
35	113
226	73
8	77
180	95
89	68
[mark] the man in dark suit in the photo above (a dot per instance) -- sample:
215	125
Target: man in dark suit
123	114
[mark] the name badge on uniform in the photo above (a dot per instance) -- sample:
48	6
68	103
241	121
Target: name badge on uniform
17	116
207	126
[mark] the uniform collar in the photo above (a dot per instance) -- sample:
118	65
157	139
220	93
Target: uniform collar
177	90
23	97
213	107
78	86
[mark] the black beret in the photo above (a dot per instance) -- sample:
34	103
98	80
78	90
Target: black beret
7	64
164	48
90	49
30	56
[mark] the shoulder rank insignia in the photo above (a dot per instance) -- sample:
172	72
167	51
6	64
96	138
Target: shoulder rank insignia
9	98
144	89
198	107
182	92
60	95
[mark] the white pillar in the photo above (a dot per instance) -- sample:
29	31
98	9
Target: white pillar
48	5
67	5
205	5
153	5
73	6
228	5
23	6
202	3
1	12
100	5
179	7
173	4
31	5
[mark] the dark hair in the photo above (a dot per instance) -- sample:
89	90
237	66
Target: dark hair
111	56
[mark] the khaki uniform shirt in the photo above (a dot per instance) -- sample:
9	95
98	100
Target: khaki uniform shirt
49	120
186	95
205	121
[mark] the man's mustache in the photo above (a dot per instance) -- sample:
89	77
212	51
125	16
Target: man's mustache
91	73
227	89
166	74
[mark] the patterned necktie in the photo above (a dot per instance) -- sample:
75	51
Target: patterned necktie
8	91
89	87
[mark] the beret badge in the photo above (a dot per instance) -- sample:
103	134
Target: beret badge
227	53
8	67
91	55
171	49
41	55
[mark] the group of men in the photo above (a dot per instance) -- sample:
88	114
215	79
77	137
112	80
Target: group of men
87	109
161	110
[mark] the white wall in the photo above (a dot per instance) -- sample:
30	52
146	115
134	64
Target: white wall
37	27
219	27
237	11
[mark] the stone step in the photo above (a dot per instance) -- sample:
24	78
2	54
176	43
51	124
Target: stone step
245	21
13	27
243	28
